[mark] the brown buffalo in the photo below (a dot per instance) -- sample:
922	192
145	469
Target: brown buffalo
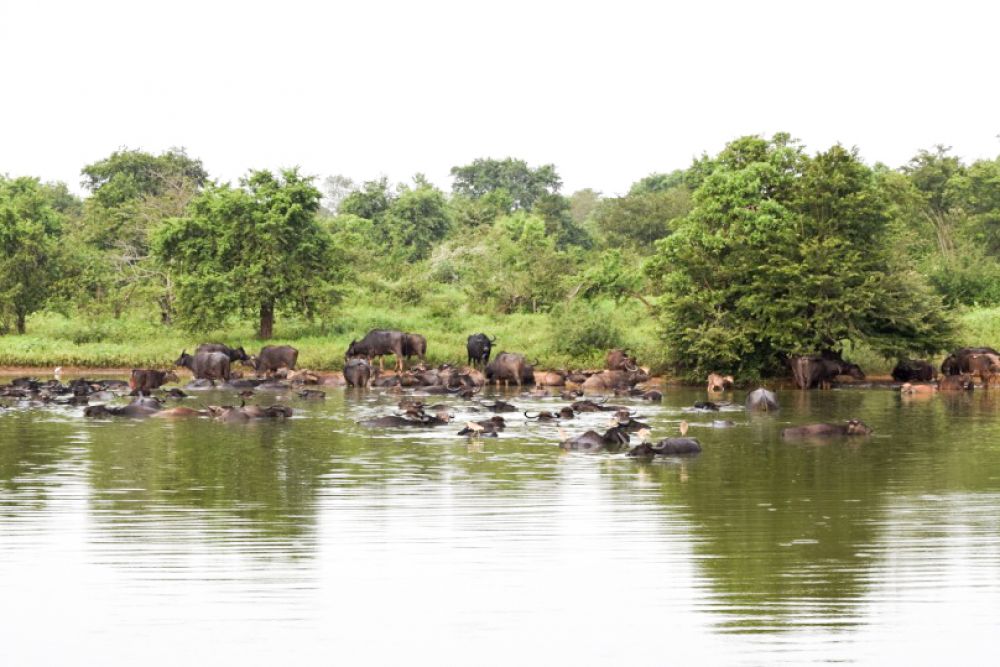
619	360
961	382
986	366
718	382
852	427
144	380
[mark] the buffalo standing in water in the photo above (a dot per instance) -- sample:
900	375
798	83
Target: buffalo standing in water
209	366
234	353
762	400
378	343
479	346
357	373
274	357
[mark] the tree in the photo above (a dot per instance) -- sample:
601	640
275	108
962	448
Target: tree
406	221
559	223
30	229
582	205
416	220
253	249
523	184
132	193
640	218
658	182
786	254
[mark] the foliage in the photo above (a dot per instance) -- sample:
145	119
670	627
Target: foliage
30	230
132	194
251	249
786	254
523	184
640	218
659	183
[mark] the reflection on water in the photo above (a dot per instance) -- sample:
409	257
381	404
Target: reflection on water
165	541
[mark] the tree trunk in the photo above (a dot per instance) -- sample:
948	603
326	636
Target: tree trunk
20	323
266	320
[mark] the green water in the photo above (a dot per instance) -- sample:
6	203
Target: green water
314	540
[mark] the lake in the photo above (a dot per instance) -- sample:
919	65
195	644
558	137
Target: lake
315	540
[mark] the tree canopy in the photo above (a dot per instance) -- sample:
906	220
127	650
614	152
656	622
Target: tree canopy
252	249
30	231
786	254
523	184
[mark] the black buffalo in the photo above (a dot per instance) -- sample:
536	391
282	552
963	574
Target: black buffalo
357	372
206	365
913	370
820	370
378	343
414	345
274	357
479	347
234	353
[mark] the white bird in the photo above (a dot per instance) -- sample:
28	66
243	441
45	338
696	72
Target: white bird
57	372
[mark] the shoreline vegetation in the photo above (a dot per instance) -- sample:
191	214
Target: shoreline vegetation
732	265
78	345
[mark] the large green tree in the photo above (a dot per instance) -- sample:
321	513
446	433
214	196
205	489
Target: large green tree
786	254
253	249
132	193
524	185
30	231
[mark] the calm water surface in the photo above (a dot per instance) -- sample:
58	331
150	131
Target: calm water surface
316	540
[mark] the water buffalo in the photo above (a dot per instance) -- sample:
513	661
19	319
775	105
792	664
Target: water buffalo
144	380
206	365
986	366
357	372
137	409
479	347
228	413
762	400
509	367
957	362
273	357
667	447
414	345
961	382
811	371
718	382
852	427
234	353
611	380
909	389
552	379
378	343
913	370
591	441
619	360
487	427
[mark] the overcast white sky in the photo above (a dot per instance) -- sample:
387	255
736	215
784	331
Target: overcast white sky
607	91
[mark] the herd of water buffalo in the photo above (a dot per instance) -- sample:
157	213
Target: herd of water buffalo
274	367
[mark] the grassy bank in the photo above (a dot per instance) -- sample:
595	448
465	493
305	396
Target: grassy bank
575	337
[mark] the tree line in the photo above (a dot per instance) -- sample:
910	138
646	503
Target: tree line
743	258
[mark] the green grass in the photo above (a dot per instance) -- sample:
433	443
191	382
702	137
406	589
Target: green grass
571	338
